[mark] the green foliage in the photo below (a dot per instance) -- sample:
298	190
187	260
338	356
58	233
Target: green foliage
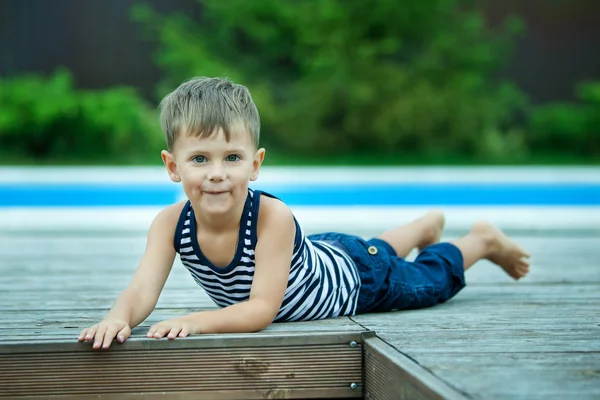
336	82
47	119
569	128
334	77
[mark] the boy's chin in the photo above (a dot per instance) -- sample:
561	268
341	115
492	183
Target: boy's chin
220	204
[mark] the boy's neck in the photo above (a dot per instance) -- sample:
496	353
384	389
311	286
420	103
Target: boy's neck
219	224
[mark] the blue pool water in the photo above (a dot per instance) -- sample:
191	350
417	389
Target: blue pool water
313	194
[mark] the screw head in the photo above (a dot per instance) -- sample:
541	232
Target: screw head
353	344
353	386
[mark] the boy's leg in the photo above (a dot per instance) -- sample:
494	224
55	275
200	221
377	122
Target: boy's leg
419	233
485	241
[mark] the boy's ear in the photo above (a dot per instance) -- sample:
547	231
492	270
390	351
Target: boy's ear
169	162
258	160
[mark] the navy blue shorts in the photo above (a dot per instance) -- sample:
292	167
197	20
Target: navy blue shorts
389	282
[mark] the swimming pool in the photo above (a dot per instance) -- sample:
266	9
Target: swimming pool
120	197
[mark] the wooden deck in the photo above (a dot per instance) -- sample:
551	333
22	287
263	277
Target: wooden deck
538	338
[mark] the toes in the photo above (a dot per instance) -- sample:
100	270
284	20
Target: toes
523	265
518	270
523	253
523	270
517	275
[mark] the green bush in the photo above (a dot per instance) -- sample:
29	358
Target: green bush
332	76
46	119
568	128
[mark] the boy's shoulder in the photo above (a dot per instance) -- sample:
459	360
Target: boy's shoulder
168	217
274	212
174	210
270	204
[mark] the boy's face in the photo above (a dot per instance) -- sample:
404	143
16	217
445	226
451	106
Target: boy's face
214	173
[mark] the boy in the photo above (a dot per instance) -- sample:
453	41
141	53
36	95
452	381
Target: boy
245	248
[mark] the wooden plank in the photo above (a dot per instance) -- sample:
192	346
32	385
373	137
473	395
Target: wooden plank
97	278
231	340
103	300
93	279
513	375
120	255
467	315
488	327
537	338
513	292
68	327
390	375
541	272
246	366
442	317
321	393
120	242
271	337
68	316
71	334
496	341
80	319
494	334
473	296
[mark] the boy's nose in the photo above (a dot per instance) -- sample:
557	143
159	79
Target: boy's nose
216	173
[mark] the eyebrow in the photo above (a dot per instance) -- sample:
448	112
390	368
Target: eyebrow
208	152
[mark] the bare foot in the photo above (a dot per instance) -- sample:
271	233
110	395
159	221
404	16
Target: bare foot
433	226
503	251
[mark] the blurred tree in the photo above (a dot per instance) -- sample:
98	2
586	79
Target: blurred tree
568	127
44	119
331	76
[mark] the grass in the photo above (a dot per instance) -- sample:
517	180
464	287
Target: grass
274	158
426	160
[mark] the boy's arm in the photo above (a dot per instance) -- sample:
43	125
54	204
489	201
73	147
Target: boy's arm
273	255
136	302
153	270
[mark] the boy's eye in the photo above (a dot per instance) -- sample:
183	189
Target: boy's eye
199	159
233	157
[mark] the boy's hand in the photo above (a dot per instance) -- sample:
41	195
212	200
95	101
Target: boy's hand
177	327
104	332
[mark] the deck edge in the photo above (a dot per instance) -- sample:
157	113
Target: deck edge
389	374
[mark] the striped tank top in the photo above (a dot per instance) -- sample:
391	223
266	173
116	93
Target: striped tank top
323	281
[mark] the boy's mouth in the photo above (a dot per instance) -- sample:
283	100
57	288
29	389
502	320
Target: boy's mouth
215	191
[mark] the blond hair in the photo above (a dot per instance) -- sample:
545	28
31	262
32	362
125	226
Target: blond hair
202	105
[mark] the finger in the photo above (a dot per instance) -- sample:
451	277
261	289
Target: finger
82	335
184	332
160	333
99	337
124	334
108	337
151	331
91	332
174	332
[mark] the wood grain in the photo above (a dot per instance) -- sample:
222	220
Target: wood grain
538	338
498	339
